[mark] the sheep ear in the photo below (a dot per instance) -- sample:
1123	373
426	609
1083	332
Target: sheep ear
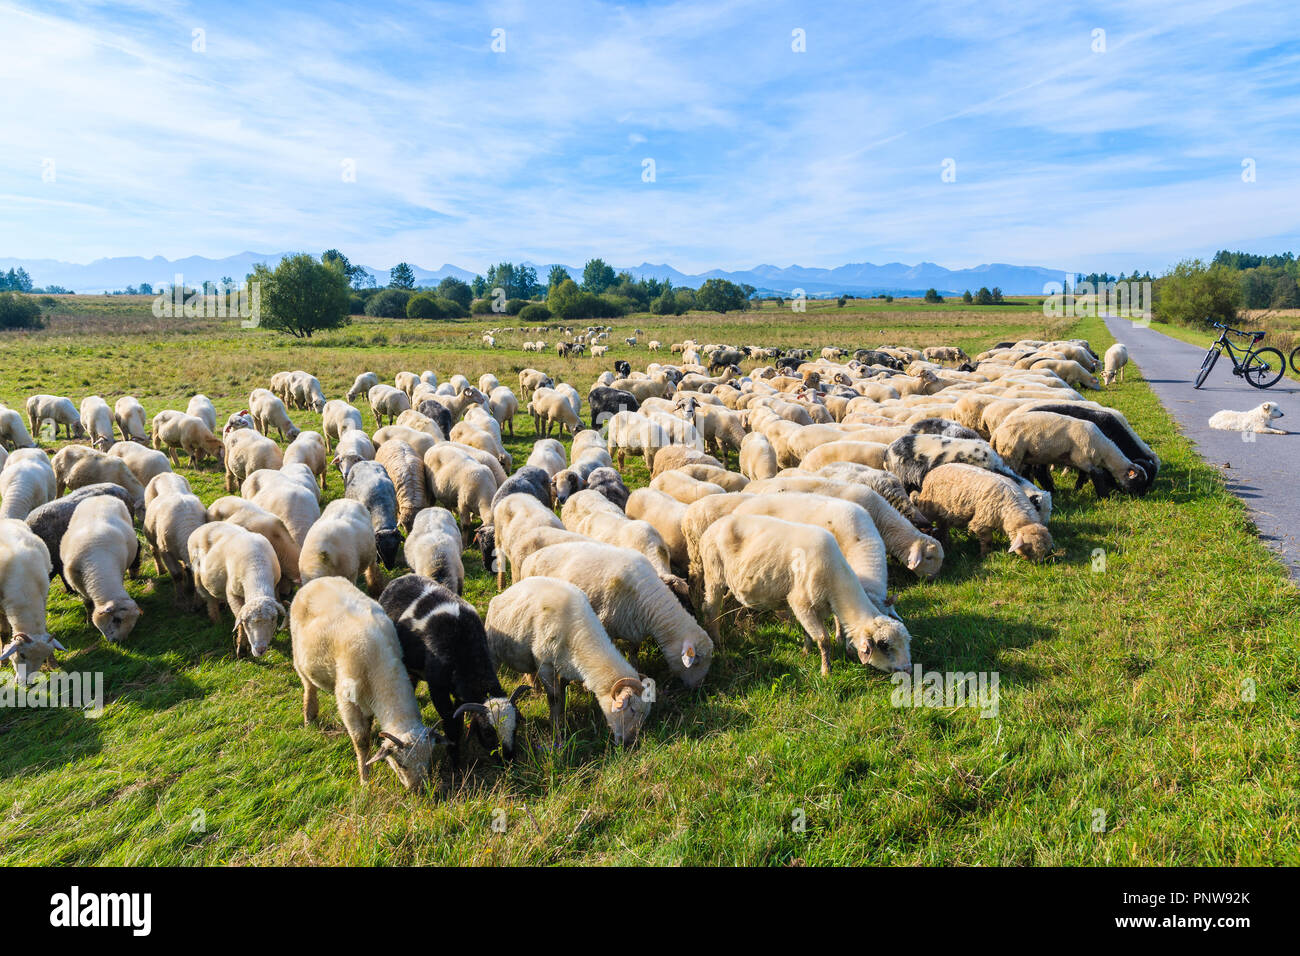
383	752
1016	543
914	557
54	643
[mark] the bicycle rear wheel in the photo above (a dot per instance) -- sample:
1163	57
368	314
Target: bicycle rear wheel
1211	357
1295	353
1264	367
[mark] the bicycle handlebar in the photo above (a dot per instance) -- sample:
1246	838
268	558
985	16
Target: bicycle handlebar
1228	328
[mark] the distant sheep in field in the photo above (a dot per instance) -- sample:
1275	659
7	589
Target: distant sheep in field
1255	420
55	408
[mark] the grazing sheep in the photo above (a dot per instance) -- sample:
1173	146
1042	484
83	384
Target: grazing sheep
294	474
1115	427
345	644
246	451
444	643
49	522
353	446
1116	359
362	386
685	488
257	519
420	441
851	525
297	507
916	551
24	590
467	433
97	420
308	449
406	470
463	486
97	550
727	480
720	429
337	418
549	407
630	599
386	401
886	484
169	521
27	482
269	412
13	433
368	483
964	496
1043	439
592	514
166	483
574	478
608	483
665	513
1070	372
546	628
61	411
305	392
757	460
433	548
547	454
503	405
145	463
678	456
764	562
1255	420
172	430
342	544
912	456
455	451
200	406
420	422
76	466
238	568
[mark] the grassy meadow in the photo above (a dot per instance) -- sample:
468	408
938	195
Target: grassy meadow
1148	670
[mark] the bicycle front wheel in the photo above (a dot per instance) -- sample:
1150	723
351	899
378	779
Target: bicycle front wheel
1211	357
1264	367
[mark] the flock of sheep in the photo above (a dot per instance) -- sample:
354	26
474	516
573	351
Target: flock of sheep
842	464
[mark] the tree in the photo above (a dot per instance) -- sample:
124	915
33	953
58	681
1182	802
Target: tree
401	276
388	304
479	287
146	288
720	295
1192	292
932	295
997	296
302	296
357	275
984	296
597	276
967	297
839	303
557	275
457	291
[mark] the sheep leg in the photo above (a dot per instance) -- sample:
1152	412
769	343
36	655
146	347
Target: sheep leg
711	606
358	727
374	580
310	703
214	609
814	627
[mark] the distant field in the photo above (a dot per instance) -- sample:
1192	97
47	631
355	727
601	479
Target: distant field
1147	700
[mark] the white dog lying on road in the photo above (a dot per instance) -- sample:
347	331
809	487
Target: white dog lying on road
1255	420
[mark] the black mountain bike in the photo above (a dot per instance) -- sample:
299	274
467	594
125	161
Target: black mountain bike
1260	367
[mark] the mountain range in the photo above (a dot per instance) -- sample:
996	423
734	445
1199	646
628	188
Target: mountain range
855	278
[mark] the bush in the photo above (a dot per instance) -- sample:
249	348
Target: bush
357	305
19	312
983	296
454	290
932	295
388	304
425	306
536	312
1192	292
967	297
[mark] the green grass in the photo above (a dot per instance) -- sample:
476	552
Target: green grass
1121	690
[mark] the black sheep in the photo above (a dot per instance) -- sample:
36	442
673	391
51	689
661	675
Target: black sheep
528	480
50	521
368	483
945	427
605	402
610	484
1119	432
444	644
623	368
440	414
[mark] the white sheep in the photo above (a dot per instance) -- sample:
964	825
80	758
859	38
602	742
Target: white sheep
461	485
548	454
406	469
97	420
546	628
337	418
297	507
166	483
27	482
238	568
966	496
169	521
550	407
253	518
631	601
1116	359
345	644
200	406
309	449
683	487
97	550
386	401
342	544
769	563
353	446
666	514
433	548
269	412
55	408
24	589
245	452
13	433
172	430
503	405
145	463
592	514
363	384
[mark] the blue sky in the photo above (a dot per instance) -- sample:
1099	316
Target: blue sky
1064	156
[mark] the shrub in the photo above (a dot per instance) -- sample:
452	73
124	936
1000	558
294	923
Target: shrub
388	304
19	312
536	312
1192	292
932	295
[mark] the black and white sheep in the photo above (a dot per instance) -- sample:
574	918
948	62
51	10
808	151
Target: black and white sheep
368	483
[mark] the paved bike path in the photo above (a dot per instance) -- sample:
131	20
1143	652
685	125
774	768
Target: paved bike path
1265	473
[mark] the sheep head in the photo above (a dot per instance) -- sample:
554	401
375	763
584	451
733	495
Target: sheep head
29	653
116	619
627	706
882	642
693	658
1133	478
1032	541
388	542
925	557
409	754
501	714
257	623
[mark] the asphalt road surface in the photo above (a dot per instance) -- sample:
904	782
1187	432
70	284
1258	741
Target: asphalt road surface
1265	473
